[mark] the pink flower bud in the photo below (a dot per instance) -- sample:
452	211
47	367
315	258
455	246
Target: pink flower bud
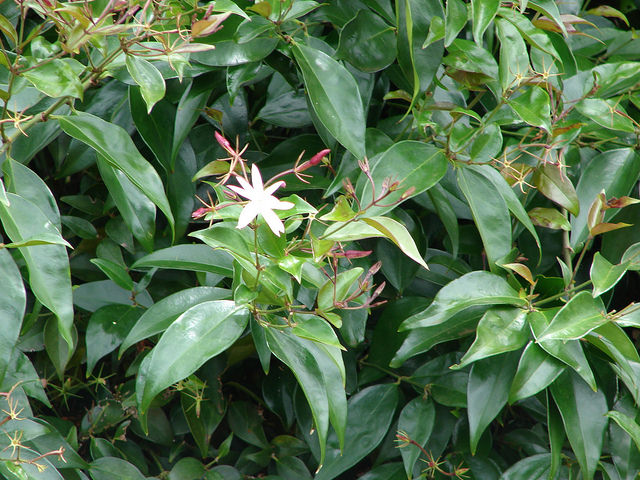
353	253
313	161
201	212
223	142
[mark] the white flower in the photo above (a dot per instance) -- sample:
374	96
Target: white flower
261	201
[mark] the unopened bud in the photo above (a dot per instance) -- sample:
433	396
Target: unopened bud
407	193
353	254
223	142
313	161
348	187
201	212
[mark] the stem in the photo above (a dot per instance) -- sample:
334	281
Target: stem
566	245
400	378
561	294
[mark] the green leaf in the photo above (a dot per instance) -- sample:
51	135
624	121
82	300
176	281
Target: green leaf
398	234
149	79
482	13
58	350
472	289
112	468
556	186
578	317
490	213
137	211
533	107
319	378
550	9
422	339
199	334
416	420
536	371
606	113
376	403
615	171
23	181
514	57
605	275
415	166
57	78
536	466
455	18
628	424
510	198
199	258
534	36
487	392
157	318
49	275
106	329
549	218
569	352
116	146
500	330
12	308
115	271
316	329
334	97
367	42
583	414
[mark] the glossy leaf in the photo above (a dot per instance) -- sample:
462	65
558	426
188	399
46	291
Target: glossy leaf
415	166
416	420
12	308
549	218
554	185
454	20
605	275
482	13
472	289
490	213
115	145
533	108
334	96
199	258
148	78
615	171
569	352
57	78
49	275
578	317
500	330
514	57
536	371
487	392
112	468
199	334
583	414
606	113
106	329
378	403
367	42
157	318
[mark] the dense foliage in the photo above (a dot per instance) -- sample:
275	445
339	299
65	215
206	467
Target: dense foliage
288	239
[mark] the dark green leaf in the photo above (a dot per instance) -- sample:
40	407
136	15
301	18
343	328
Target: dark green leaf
334	96
583	414
367	42
12	308
199	258
605	275
475	288
554	185
416	420
487	392
536	371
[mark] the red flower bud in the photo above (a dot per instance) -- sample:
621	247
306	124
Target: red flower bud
313	161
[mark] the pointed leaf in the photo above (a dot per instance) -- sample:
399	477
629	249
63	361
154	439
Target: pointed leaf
536	371
605	275
149	79
487	392
500	330
334	97
483	13
490	213
13	300
583	414
199	334
116	146
398	234
199	258
554	185
533	107
475	288
49	274
416	420
578	317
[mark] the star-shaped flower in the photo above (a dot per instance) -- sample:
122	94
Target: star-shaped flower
261	201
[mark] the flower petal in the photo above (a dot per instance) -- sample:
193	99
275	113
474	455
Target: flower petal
272	188
256	178
249	212
281	205
275	224
248	194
